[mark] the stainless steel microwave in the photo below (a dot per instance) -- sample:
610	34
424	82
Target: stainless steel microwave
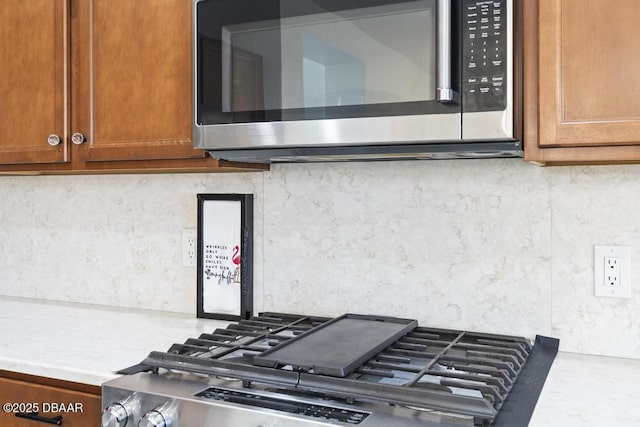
316	80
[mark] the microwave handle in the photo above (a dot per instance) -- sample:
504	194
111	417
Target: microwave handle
444	91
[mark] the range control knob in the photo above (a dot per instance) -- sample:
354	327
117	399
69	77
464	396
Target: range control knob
153	419
121	413
115	415
162	416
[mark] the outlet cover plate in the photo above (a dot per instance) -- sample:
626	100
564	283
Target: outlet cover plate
612	271
189	249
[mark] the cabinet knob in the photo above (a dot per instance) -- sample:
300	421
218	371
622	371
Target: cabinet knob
78	138
54	140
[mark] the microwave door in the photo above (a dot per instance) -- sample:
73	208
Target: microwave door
311	73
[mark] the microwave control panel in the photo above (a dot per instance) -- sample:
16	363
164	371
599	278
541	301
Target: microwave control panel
484	53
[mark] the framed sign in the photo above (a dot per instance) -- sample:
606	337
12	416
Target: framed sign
225	256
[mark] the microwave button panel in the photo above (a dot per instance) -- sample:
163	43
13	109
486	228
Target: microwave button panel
484	72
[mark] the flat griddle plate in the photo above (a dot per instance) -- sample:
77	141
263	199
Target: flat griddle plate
338	347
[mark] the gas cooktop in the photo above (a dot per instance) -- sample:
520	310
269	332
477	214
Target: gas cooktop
284	369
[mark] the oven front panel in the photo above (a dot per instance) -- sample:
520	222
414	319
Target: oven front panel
198	401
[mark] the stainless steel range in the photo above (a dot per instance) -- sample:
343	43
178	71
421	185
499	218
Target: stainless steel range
292	370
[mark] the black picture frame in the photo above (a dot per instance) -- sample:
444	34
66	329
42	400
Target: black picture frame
225	256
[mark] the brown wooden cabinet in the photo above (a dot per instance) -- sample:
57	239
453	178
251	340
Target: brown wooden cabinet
582	81
79	405
33	83
118	73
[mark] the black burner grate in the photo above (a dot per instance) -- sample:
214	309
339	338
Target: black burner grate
451	371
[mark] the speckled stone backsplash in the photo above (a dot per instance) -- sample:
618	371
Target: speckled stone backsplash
492	245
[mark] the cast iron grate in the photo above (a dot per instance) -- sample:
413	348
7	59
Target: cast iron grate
456	372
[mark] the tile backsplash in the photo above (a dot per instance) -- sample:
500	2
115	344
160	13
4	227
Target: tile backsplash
493	245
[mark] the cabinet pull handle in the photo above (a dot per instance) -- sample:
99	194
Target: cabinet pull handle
54	140
78	138
35	417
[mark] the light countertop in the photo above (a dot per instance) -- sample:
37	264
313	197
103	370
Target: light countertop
584	390
87	344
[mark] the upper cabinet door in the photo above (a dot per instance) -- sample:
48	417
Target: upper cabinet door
589	73
33	81
132	71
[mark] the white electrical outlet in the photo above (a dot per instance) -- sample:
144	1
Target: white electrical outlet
188	248
612	271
